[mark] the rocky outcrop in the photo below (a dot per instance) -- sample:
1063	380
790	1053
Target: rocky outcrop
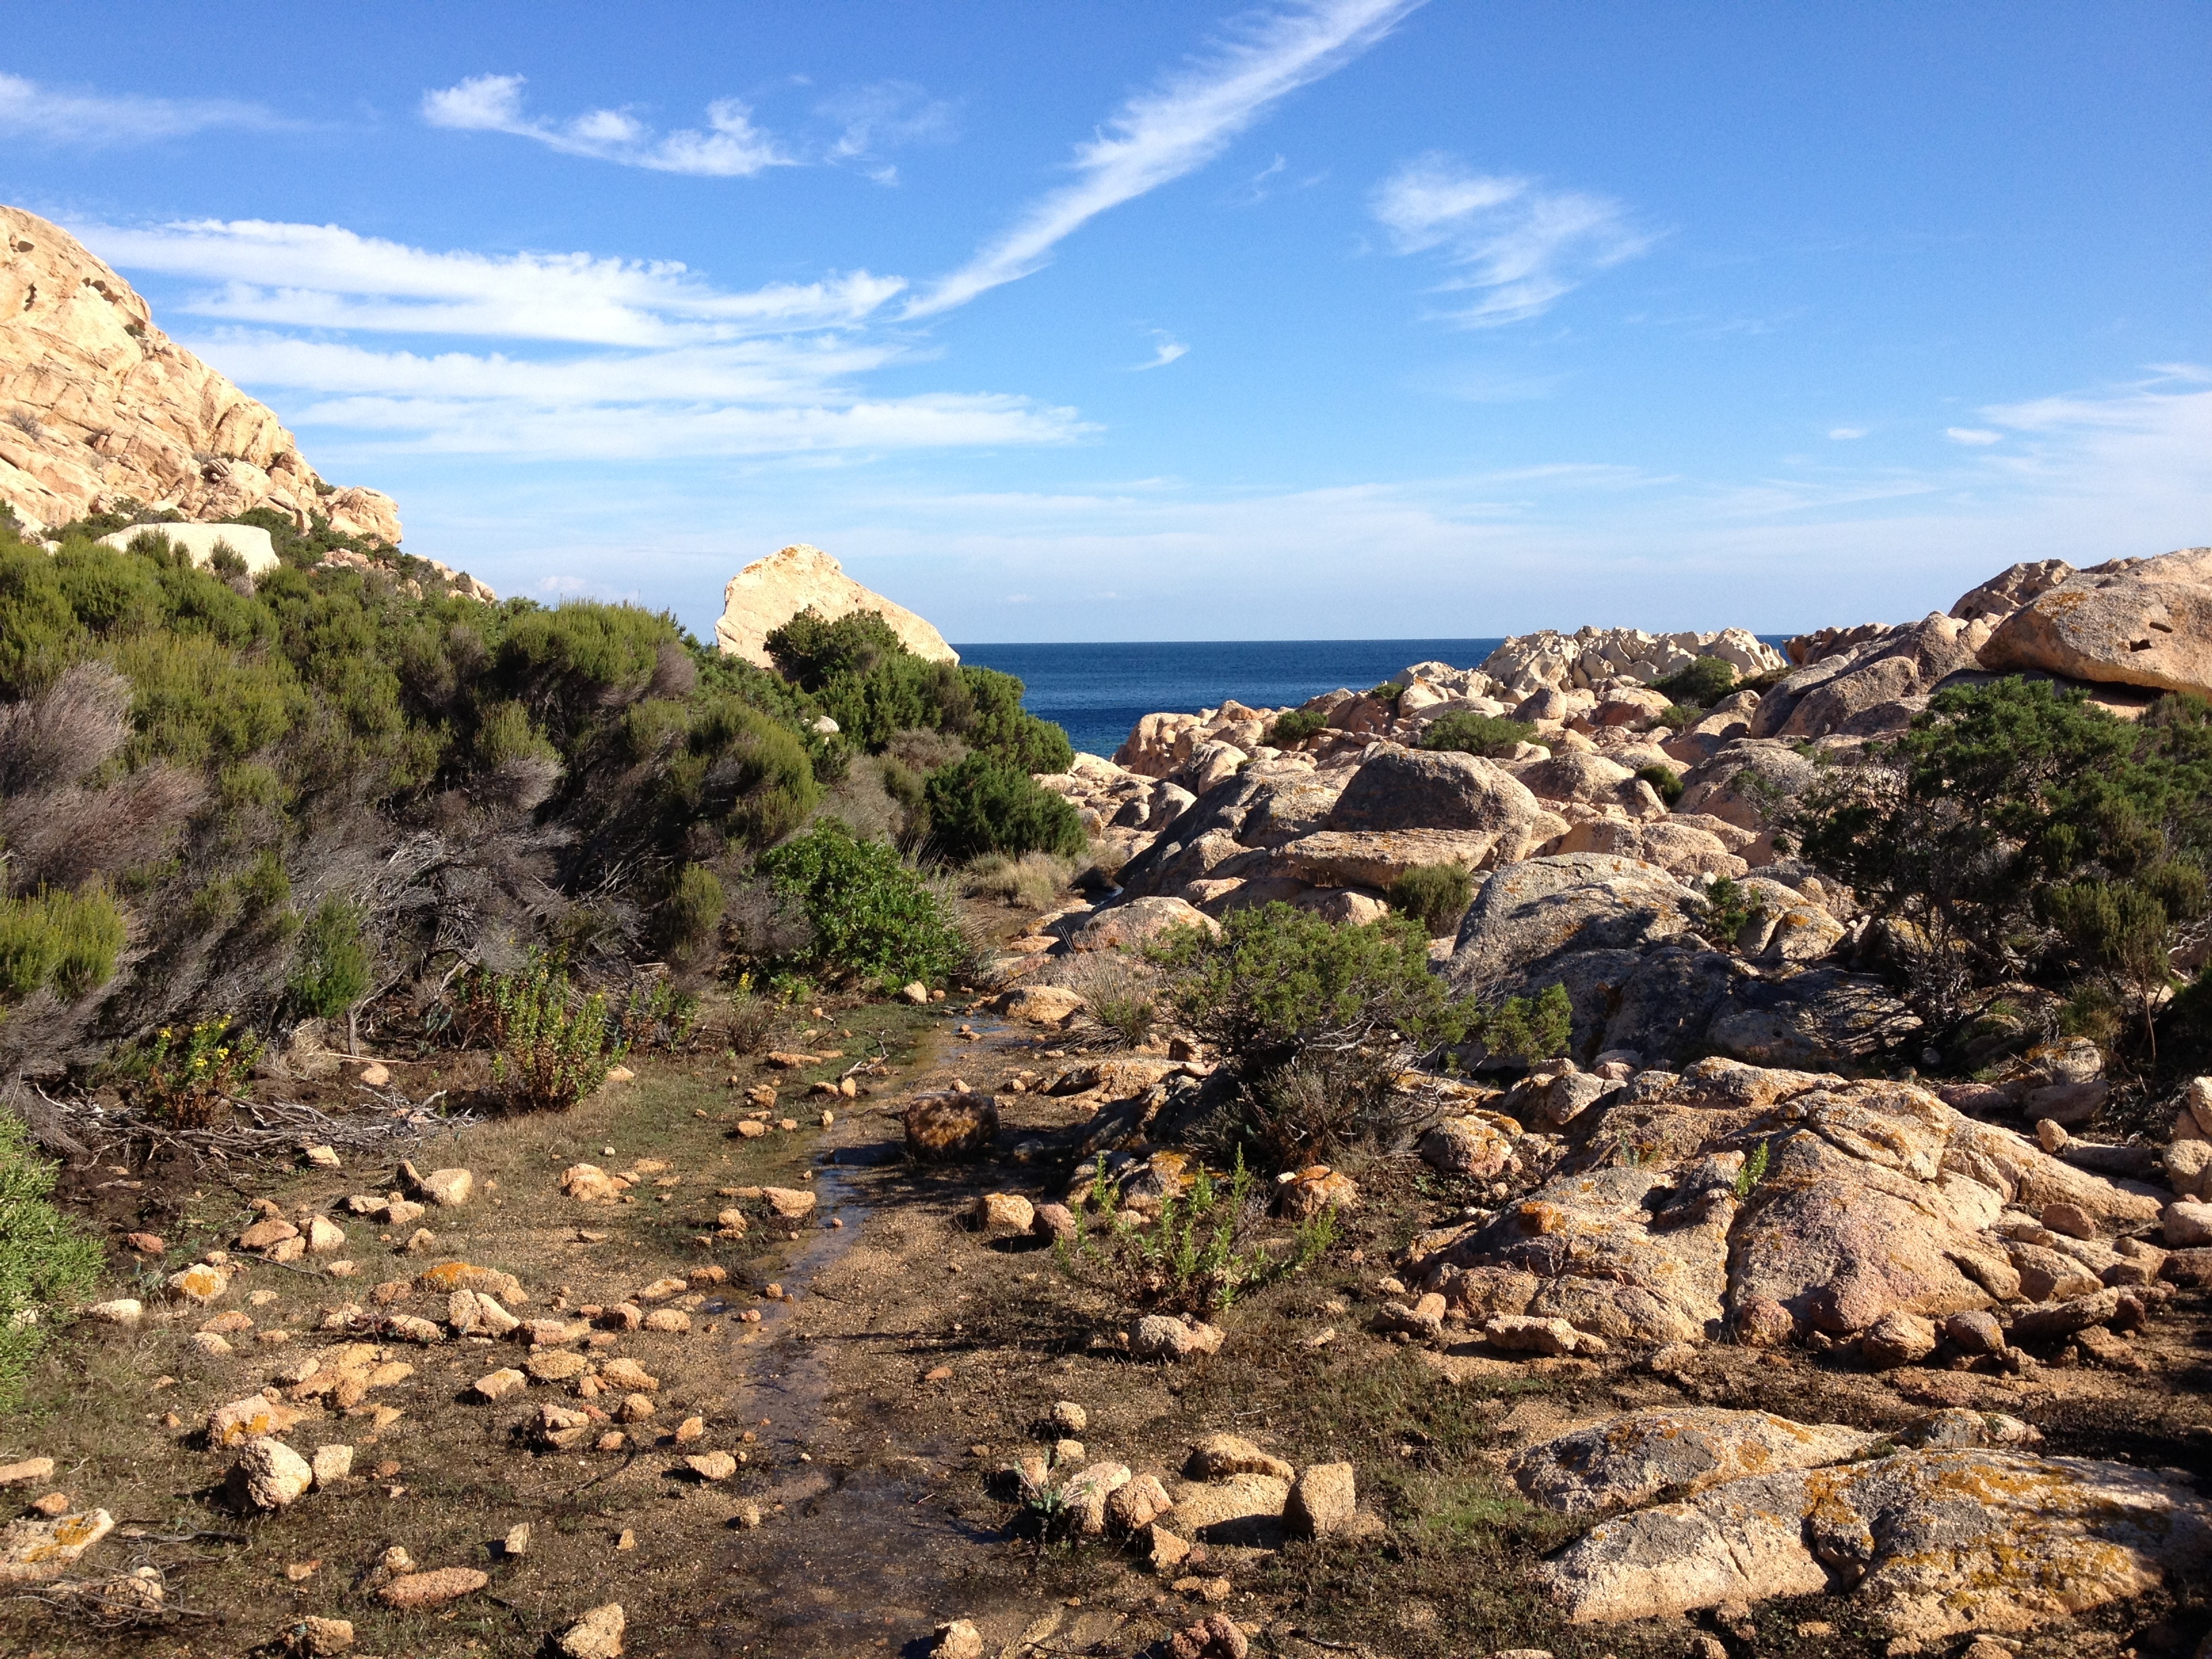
769	593
1590	656
97	406
1928	1543
2127	622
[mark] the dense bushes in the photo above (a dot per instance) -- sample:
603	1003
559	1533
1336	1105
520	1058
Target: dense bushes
1296	726
330	964
982	804
65	941
1701	684
2019	831
1471	733
1317	1020
1434	895
871	917
1666	782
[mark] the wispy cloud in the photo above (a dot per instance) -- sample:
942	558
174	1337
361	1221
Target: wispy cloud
676	366
327	276
872	119
1846	434
1972	434
1516	248
41	114
731	147
1178	126
1165	350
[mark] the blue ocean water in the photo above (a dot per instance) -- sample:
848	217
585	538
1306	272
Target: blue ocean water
1099	691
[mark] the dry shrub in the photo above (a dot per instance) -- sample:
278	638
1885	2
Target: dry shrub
71	728
62	837
1035	881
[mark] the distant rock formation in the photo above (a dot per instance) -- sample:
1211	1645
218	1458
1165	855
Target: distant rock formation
97	404
769	593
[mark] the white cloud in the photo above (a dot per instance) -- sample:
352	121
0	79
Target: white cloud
43	114
1165	350
1517	248
872	119
1161	135
1972	434
1846	434
326	276
731	147
676	366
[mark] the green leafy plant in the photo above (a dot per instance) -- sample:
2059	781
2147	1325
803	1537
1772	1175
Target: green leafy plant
190	1075
1315	1020
68	941
1754	1170
1701	683
45	1260
691	913
1726	910
1435	894
1527	1030
1471	733
1666	782
330	963
1295	727
656	1015
552	1045
872	917
980	805
1197	1255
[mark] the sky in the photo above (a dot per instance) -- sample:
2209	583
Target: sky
1332	319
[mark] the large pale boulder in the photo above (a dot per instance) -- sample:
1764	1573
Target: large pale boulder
1432	789
198	542
2010	589
1928	1543
2127	622
1623	1462
769	593
105	406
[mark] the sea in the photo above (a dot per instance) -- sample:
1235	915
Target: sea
1098	692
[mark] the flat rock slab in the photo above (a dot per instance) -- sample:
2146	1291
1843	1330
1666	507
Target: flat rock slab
1930	1543
1630	1460
1244	1509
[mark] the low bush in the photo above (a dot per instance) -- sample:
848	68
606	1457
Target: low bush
1526	1030
1031	882
45	1262
191	1075
980	805
1295	727
1317	1020
1195	1257
689	916
871	917
68	941
1701	683
1666	782
1471	733
551	1045
1435	894
330	963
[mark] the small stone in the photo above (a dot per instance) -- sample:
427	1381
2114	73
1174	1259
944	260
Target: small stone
712	1465
447	1189
319	1638
597	1635
917	993
629	1376
1322	1499
146	1243
613	1440
330	1465
2069	1219
747	1517
321	1157
690	1430
325	1235
200	1283
1220	1455
420	1240
53	1504
674	1320
1976	1332
396	1560
269	1474
417	1590
123	1311
2051	1136
516	1544
634	1408
1898	1337
1068	1417
31	1468
628	1540
959	1640
255	1416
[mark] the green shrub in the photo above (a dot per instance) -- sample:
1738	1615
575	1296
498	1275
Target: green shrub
552	1046
1527	1030
873	918
45	1262
1296	727
68	941
330	963
2017	830
1032	881
1666	782
980	805
1701	683
191	1077
810	651
1476	734
1315	1020
692	912
1435	894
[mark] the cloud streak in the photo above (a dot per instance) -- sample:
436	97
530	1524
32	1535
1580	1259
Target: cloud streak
1514	248
98	120
730	147
1179	126
1165	350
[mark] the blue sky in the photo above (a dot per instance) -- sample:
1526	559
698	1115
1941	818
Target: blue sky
1341	318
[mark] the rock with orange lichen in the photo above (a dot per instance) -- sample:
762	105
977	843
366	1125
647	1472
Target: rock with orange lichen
1626	1460
1927	1543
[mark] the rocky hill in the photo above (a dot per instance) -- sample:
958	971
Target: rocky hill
98	406
769	593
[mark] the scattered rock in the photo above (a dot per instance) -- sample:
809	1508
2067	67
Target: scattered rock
1068	1417
1002	1215
597	1635
200	1283
253	1416
587	1183
1084	1497
957	1640
1896	1339
1624	1461
712	1465
269	1474
319	1639
1322	1500
123	1311
418	1590
1171	1337
1215	1636
1039	1005
330	1465
1218	1455
947	1126
30	1468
